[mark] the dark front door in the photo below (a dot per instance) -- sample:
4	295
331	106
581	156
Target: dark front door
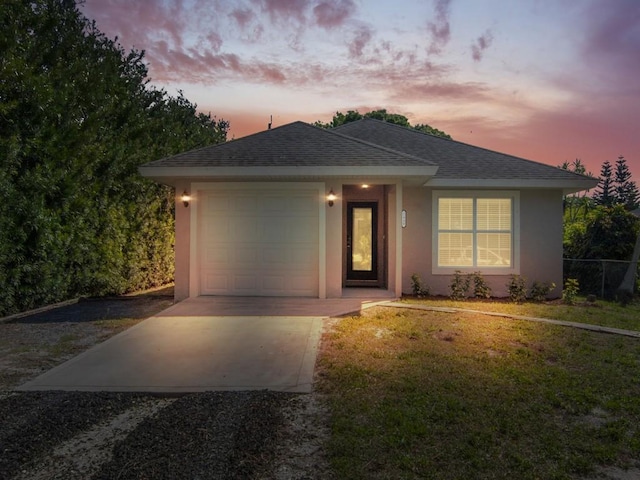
362	243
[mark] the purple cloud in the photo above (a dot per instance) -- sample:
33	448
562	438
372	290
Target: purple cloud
362	38
243	16
439	29
612	42
330	14
482	43
284	10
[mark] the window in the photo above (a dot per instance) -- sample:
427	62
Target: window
475	231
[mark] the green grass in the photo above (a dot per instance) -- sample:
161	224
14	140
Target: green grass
65	345
117	324
601	312
441	395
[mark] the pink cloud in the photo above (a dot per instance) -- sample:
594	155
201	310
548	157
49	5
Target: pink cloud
330	14
441	90
362	38
243	16
215	40
439	29
284	10
124	18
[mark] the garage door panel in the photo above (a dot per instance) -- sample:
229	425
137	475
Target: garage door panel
245	256
245	283
302	284
245	229
217	229
217	257
217	284
259	243
275	230
244	203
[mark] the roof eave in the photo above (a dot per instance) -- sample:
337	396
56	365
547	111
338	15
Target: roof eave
175	175
567	186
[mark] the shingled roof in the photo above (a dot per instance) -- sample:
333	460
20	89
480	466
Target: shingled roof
455	160
296	144
366	148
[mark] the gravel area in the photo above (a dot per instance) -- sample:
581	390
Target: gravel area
107	435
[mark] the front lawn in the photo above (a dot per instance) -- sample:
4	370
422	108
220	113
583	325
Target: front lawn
418	394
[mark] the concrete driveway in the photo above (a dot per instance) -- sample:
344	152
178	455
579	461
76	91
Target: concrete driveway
207	343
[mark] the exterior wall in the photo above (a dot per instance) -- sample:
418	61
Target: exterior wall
333	235
540	242
416	237
541	231
182	243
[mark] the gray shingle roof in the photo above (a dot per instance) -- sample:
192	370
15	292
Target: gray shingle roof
364	147
296	144
455	160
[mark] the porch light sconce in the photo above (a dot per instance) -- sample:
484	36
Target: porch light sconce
331	197
403	219
186	198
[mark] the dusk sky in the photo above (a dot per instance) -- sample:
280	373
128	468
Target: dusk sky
547	80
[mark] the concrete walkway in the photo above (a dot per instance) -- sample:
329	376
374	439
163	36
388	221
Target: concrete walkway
207	343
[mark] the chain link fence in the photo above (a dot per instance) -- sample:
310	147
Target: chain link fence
597	277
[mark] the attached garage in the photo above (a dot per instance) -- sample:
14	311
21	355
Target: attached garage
254	241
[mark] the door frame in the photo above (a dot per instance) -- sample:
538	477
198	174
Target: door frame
355	195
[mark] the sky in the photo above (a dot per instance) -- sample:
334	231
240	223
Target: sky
547	80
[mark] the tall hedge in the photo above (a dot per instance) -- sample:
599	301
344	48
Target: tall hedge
77	117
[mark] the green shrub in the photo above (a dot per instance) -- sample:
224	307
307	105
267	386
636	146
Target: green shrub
459	286
570	292
480	287
540	290
417	287
517	289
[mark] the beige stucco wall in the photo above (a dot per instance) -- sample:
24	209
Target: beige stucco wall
541	230
540	242
333	235
182	241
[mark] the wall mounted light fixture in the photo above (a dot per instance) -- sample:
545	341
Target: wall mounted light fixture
186	198
331	197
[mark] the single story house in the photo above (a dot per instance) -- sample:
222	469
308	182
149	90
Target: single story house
303	211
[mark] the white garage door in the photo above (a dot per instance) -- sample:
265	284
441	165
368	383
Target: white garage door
259	242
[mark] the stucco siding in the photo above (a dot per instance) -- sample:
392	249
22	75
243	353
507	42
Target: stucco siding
540	242
182	244
541	237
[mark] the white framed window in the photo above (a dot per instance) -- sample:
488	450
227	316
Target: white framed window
476	231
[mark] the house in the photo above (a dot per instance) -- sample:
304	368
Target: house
302	211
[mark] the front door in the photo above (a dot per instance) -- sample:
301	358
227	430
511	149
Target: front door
362	243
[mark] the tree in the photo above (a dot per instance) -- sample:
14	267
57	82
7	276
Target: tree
625	191
352	115
608	233
604	194
576	205
77	118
